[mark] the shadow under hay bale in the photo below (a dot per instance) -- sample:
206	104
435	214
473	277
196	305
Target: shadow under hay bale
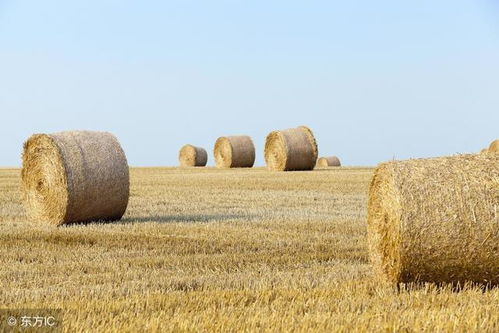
199	218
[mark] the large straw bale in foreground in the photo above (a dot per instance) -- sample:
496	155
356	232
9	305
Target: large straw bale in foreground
234	152
192	156
494	146
75	177
330	161
436	220
291	149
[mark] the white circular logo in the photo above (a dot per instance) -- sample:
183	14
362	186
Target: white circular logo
12	321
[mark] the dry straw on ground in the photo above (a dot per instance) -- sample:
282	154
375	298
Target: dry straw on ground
192	156
219	257
75	177
330	161
291	149
234	152
494	146
436	220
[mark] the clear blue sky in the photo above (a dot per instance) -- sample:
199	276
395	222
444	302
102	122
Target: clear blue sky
373	79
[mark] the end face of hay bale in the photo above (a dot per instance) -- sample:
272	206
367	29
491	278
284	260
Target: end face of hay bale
291	149
192	156
435	220
75	176
276	154
494	146
383	222
330	161
234	152
44	179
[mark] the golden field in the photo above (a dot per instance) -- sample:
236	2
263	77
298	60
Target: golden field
223	250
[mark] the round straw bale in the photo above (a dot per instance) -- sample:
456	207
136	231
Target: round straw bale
192	156
494	146
234	152
291	149
436	220
484	151
74	176
332	161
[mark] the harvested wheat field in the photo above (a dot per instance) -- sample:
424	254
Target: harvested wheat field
224	250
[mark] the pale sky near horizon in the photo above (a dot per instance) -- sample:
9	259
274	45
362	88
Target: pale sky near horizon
374	80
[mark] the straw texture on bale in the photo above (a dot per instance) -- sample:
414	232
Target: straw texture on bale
291	149
436	220
234	152
76	176
330	161
494	147
192	156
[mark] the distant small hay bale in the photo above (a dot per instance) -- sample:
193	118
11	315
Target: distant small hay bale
494	146
74	176
484	151
291	149
234	152
192	156
330	161
435	220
